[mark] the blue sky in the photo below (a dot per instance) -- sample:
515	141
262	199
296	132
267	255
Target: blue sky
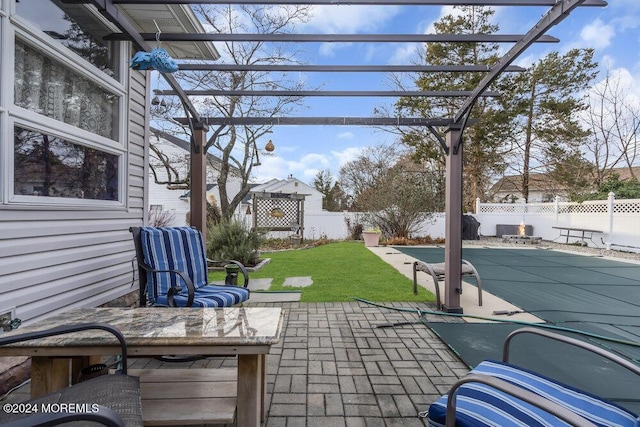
302	151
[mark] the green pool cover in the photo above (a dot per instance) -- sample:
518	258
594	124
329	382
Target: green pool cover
573	292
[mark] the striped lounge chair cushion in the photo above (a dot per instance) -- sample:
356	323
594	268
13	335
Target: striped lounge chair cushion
479	405
182	249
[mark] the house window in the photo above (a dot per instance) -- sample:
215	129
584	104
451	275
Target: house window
46	86
49	166
76	27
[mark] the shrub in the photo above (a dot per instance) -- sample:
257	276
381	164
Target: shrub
356	231
233	240
160	218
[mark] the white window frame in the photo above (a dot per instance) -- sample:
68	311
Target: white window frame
45	200
13	27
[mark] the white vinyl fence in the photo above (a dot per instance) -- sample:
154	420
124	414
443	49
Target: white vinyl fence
333	225
617	220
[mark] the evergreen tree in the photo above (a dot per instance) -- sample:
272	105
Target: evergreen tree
542	106
322	183
483	157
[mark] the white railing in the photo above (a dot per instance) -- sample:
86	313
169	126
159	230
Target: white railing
617	220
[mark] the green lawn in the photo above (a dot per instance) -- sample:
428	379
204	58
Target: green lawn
340	271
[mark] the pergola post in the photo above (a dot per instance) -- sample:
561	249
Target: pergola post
453	224
198	181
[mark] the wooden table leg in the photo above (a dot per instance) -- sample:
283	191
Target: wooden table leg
250	390
48	374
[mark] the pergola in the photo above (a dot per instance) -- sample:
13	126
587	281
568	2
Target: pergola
451	144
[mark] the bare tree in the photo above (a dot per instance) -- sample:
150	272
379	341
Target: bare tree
160	218
238	147
614	120
169	170
395	193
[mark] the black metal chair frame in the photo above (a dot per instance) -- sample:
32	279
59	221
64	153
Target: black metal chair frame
434	270
104	415
532	398
143	268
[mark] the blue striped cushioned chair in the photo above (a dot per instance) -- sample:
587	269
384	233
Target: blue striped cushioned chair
176	270
495	394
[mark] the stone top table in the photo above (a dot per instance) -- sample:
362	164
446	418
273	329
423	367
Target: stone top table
247	332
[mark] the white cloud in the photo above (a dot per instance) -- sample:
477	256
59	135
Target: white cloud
444	11
346	155
527	61
349	19
405	53
597	34
306	167
346	135
608	62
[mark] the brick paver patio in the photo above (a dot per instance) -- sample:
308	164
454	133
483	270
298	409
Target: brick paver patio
334	367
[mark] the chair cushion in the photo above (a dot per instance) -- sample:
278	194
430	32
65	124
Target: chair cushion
173	248
480	405
237	294
210	296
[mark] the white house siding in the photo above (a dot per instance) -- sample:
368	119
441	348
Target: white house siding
172	200
54	258
159	194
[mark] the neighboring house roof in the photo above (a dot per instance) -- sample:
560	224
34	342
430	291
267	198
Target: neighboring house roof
542	182
625	173
289	185
513	183
186	146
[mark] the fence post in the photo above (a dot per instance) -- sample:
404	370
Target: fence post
477	205
556	207
611	199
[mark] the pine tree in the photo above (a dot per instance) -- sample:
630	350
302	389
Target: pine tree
542	106
483	157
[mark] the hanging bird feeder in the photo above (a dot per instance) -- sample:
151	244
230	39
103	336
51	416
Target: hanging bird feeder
269	146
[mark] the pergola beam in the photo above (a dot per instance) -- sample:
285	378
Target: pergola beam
334	38
320	121
453	203
344	68
334	93
111	12
599	3
558	12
